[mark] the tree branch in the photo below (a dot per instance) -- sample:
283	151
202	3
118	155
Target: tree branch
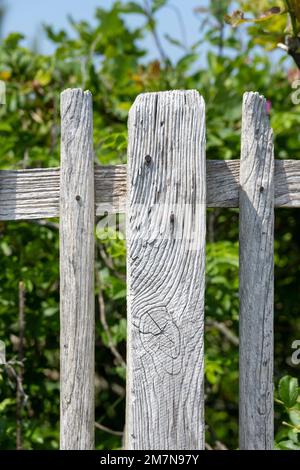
154	32
104	323
108	430
109	263
293	48
232	338
19	398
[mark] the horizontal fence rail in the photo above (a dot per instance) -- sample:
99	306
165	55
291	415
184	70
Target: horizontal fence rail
164	191
34	194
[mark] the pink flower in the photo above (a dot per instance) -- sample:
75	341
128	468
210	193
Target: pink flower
268	106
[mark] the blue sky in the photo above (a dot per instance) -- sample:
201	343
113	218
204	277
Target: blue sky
27	16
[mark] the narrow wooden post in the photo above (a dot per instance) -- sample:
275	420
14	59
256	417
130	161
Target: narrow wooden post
256	276
77	272
166	261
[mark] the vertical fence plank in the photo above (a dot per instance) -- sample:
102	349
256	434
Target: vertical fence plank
77	272
256	276
165	262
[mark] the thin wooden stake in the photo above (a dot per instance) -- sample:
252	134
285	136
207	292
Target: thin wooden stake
77	272
256	276
166	260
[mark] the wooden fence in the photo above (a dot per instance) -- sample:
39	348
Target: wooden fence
164	191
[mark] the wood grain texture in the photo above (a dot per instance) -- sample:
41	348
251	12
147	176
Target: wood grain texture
29	194
287	183
77	272
165	263
34	194
256	276
111	188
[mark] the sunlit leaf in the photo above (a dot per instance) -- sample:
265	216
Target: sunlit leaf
238	17
288	390
157	4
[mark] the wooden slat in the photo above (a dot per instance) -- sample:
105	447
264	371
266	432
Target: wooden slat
222	180
34	194
165	263
256	276
77	272
29	194
110	186
287	183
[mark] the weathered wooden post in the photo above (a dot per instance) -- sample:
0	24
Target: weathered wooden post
166	267
77	271
256	276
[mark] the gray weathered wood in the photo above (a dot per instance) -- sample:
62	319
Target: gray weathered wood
29	194
77	272
287	183
165	263
256	276
111	188
34	194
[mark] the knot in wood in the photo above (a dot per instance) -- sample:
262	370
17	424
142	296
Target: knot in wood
160	334
148	159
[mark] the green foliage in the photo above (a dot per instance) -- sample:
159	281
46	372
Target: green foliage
288	391
287	437
107	58
271	25
30	253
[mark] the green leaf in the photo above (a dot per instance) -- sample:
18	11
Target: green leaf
58	37
121	371
288	390
5	127
235	19
48	312
238	16
186	62
292	435
43	77
132	7
13	39
174	41
288	445
5	403
157	4
294	415
120	295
